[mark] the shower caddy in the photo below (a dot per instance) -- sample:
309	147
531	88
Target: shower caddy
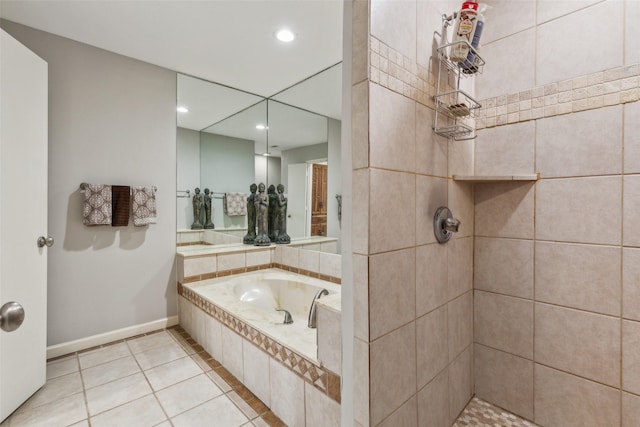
454	107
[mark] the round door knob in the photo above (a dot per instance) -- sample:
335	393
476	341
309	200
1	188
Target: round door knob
45	241
11	316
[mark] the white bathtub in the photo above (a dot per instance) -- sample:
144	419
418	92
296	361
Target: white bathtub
253	298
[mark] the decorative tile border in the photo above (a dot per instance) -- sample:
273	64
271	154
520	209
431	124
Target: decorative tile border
198	277
194	244
394	71
398	73
321	378
602	89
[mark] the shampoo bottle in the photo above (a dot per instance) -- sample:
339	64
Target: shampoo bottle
470	66
465	27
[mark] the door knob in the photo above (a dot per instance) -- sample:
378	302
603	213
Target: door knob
11	316
45	241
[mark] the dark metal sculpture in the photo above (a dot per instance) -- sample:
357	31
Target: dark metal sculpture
207	210
197	210
262	217
281	218
250	237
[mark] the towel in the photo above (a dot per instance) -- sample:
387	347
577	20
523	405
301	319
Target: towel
144	206
121	203
235	204
96	204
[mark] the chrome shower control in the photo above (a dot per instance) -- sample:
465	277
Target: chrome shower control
444	224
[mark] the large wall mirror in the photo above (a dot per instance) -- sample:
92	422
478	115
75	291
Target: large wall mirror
230	139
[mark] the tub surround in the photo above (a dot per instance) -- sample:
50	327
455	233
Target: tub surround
310	379
206	264
224	293
289	381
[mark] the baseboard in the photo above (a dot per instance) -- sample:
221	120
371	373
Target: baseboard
100	339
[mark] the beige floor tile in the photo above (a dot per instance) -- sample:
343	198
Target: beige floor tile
172	373
63	412
61	367
115	393
159	355
220	409
55	389
160	339
145	411
187	394
219	381
247	410
109	371
103	355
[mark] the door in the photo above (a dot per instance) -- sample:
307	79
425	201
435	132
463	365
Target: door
319	200
297	200
23	218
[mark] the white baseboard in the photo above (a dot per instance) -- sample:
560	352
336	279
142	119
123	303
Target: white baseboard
107	337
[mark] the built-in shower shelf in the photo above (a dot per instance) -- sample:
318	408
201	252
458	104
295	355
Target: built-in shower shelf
496	178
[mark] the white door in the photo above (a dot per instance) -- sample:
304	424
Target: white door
23	218
297	200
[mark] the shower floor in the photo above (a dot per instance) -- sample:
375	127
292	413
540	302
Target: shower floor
166	379
479	413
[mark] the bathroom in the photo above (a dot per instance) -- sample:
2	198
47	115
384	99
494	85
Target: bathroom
562	77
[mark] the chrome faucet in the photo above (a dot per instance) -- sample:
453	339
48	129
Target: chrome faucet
313	316
287	316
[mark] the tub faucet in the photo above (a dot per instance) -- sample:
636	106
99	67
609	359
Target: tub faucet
313	316
287	316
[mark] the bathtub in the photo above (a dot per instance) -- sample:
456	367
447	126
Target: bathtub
253	298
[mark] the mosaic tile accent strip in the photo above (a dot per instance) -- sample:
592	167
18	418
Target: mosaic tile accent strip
308	370
198	277
602	89
394	71
398	73
479	413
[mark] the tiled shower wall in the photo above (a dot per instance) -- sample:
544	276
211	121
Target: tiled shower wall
556	276
413	348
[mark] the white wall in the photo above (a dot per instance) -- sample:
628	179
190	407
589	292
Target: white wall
112	120
301	155
227	165
267	170
188	174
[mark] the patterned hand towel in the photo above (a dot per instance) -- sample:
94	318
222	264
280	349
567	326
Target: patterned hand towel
96	204
144	206
121	195
235	204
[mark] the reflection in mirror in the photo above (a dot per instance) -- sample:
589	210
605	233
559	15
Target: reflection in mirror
227	165
226	152
232	114
300	139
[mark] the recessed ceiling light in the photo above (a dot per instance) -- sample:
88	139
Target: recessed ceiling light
261	127
182	109
285	35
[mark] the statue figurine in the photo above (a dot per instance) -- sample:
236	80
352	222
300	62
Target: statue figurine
281	218
273	201
262	217
207	210
197	210
250	237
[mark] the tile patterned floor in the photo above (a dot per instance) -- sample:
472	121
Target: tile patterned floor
165	379
159	379
479	413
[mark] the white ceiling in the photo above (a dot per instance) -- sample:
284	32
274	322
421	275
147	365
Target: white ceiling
230	42
224	41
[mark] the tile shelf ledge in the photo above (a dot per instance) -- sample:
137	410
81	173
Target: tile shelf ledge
496	178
